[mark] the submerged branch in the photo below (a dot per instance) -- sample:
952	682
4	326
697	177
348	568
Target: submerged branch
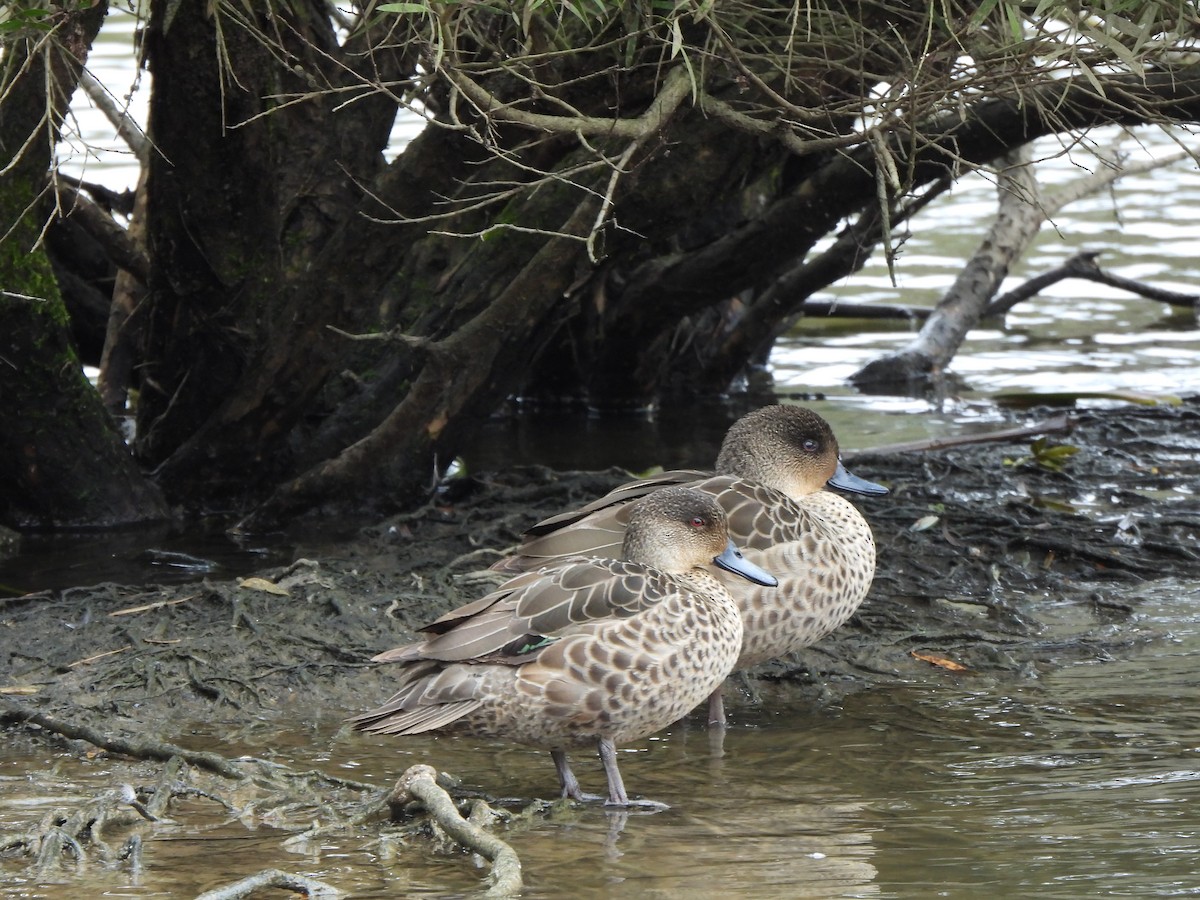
1057	424
1083	265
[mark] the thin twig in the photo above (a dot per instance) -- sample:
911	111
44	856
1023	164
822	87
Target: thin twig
1055	424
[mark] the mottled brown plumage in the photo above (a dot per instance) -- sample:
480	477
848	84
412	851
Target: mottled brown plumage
593	651
772	470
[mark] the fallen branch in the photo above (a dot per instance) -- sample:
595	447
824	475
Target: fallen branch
1049	426
272	878
419	783
1083	265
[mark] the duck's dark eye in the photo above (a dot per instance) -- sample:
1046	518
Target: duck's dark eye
810	445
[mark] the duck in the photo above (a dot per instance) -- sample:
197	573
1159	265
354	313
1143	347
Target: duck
590	651
771	478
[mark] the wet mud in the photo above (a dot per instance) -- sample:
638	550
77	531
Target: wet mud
992	557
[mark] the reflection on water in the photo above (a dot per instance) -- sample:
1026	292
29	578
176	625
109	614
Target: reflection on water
1079	783
155	554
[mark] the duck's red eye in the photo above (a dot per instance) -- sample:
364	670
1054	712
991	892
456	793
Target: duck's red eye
698	522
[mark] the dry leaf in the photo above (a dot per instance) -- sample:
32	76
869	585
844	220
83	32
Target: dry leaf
261	584
939	661
24	689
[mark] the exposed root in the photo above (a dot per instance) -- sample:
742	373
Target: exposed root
78	836
272	878
138	747
420	783
286	799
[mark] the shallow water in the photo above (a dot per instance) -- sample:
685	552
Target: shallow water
1080	782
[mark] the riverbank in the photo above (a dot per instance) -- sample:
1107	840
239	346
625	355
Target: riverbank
1004	560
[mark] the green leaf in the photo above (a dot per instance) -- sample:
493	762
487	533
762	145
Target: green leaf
404	7
983	11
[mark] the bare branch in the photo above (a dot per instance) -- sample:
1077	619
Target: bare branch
676	87
128	130
1083	265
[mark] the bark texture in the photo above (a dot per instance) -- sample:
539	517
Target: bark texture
64	464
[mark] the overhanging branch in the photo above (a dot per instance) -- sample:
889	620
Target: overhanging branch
788	228
676	87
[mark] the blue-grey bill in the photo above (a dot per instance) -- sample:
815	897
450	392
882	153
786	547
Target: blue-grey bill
844	481
733	561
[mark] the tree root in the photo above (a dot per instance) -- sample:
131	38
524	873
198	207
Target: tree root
139	748
79	835
286	798
272	878
419	783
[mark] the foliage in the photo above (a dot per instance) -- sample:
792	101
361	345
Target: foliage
1052	457
807	77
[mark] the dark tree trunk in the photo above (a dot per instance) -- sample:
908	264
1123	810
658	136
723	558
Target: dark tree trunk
257	254
323	327
64	463
844	185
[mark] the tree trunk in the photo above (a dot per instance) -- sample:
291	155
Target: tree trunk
498	255
64	463
1018	221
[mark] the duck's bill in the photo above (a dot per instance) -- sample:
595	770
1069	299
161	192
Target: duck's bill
844	481
733	561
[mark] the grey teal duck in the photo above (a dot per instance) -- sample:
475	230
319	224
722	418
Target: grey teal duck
593	651
771	475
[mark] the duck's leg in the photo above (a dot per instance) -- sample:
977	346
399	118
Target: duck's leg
566	778
716	709
616	787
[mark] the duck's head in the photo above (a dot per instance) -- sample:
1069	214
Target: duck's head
790	449
677	529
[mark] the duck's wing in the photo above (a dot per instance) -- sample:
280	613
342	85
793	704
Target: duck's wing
512	624
620	495
759	516
597	529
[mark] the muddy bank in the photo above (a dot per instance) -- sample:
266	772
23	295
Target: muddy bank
964	532
999	558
